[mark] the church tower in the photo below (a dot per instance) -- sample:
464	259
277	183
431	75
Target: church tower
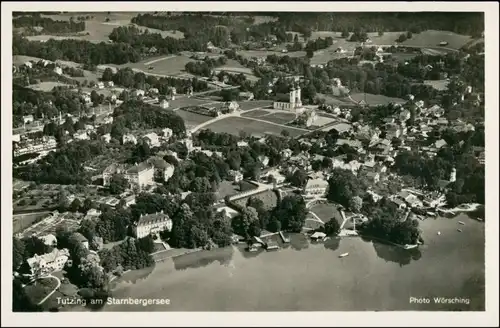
453	175
298	100
292	97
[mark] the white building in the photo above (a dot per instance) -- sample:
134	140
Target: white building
110	84
49	240
293	103
81	135
139	176
315	187
58	70
167	133
129	138
152	224
152	139
50	262
106	138
164	104
27	119
138	93
237	176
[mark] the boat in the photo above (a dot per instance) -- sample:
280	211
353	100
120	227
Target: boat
439	232
462	223
459	230
431	214
408	246
343	255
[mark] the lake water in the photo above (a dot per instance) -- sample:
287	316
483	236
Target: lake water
311	277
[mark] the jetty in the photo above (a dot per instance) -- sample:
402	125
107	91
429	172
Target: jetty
283	238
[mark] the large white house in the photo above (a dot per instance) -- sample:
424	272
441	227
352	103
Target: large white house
151	224
315	188
50	262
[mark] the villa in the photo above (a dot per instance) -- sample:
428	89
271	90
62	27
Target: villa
50	262
152	224
315	187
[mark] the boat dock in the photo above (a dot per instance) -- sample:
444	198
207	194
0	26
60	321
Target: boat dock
285	240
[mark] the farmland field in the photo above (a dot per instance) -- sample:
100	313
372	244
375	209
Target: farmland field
247	105
168	65
234	125
331	100
98	30
432	38
184	102
372	99
192	119
256	113
265	53
46	86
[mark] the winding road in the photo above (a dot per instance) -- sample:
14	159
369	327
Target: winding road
53	291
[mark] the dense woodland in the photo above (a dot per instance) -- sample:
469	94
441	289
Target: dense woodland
48	25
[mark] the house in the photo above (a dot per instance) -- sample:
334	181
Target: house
436	111
400	204
356	144
140	175
100	85
376	197
237	176
440	144
58	70
138	93
228	212
152	224
315	187
286	153
81	239
81	135
410	199
164	104
27	119
246	96
342	127
49	240
392	131
404	115
242	144
129	138
152	139
152	50
110	84
106	137
317	236
28	64
50	262
153	91
163	170
264	160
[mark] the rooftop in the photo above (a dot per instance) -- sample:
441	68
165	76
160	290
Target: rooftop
152	218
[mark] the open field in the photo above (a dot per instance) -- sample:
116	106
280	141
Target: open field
334	101
247	105
192	119
185	102
168	65
326	212
323	56
39	289
234	67
437	84
97	29
268	197
265	53
372	99
432	38
233	125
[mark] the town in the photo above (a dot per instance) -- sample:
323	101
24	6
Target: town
148	145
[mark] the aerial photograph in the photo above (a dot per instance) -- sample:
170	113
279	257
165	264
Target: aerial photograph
247	161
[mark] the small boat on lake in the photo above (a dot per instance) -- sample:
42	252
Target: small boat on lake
408	246
459	230
460	222
431	214
343	255
439	233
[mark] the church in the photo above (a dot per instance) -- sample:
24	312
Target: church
294	103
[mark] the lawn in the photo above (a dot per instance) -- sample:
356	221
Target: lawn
234	125
39	289
268	197
372	99
437	84
247	105
256	113
323	120
228	188
23	221
185	102
192	119
334	101
278	117
326	212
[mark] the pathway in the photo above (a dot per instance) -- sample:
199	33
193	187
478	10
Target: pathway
53	291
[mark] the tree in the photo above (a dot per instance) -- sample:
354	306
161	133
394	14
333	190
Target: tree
345	34
242	223
118	184
310	53
332	227
355	204
108	74
343	186
18	250
75	205
291	212
296	38
285	133
299	178
380	33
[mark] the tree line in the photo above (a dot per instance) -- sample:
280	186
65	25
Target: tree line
49	25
